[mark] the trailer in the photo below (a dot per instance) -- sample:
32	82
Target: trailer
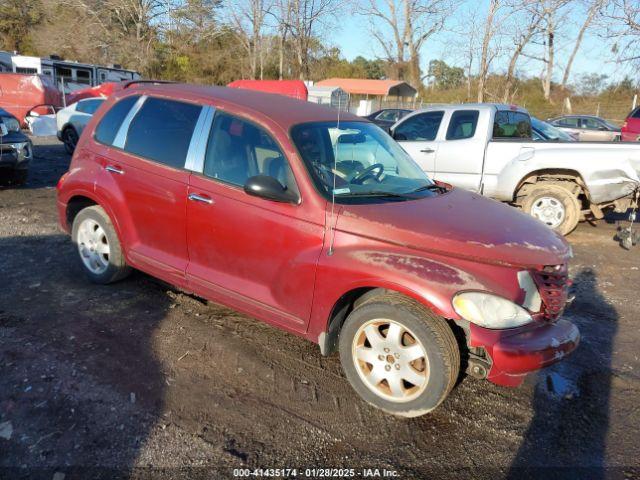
67	75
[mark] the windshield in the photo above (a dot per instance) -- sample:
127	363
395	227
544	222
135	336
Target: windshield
358	159
11	123
549	132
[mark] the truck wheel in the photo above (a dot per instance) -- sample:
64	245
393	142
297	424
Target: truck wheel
399	356
98	246
553	205
70	139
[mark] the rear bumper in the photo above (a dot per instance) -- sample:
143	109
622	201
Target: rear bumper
515	352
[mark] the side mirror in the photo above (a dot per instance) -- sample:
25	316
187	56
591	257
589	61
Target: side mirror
269	188
3	129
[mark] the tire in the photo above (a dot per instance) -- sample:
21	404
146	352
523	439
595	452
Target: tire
70	139
420	385
553	205
19	177
99	248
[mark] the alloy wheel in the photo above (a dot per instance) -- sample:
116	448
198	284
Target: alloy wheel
93	246
390	360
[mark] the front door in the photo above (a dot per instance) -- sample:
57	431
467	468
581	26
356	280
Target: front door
417	136
253	254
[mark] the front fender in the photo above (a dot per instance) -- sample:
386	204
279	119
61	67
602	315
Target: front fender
432	280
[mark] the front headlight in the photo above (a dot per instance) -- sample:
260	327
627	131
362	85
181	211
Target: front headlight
490	311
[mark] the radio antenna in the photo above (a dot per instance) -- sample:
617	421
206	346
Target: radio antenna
332	226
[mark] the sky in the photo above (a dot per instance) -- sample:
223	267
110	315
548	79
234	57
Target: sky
353	38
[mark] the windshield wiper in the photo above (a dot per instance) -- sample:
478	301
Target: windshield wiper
431	186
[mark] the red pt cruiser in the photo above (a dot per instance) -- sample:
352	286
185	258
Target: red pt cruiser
320	224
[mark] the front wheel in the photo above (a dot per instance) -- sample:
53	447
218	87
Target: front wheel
553	205
399	356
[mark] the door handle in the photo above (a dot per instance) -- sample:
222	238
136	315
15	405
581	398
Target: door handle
427	150
194	197
112	169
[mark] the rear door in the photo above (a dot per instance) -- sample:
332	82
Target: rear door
417	135
461	152
254	254
571	125
144	163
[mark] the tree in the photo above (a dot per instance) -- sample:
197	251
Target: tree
486	55
17	20
307	18
591	84
593	7
527	25
248	20
402	27
444	76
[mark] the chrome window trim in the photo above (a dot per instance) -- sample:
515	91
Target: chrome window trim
199	140
121	136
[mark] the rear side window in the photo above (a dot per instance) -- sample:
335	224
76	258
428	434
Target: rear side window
508	124
108	127
567	122
162	130
463	124
635	113
419	128
89	106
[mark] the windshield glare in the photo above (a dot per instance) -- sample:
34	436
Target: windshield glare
357	159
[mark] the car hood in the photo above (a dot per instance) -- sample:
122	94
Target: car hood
459	224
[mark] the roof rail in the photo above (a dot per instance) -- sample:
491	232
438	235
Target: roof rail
152	82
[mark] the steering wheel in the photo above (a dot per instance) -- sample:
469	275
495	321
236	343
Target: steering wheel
369	172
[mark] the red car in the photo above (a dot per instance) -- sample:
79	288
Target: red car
322	226
631	127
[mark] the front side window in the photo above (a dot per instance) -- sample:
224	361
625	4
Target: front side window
419	128
89	106
238	150
463	124
509	124
110	123
591	123
358	160
161	131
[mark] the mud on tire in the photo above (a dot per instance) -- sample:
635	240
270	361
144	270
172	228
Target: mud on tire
425	382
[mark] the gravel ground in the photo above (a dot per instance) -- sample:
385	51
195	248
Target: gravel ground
137	380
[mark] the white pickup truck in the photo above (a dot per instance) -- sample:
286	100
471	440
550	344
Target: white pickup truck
489	149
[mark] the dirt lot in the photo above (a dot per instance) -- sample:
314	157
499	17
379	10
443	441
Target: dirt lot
138	380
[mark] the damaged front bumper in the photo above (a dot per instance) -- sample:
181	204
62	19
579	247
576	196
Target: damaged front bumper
509	355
